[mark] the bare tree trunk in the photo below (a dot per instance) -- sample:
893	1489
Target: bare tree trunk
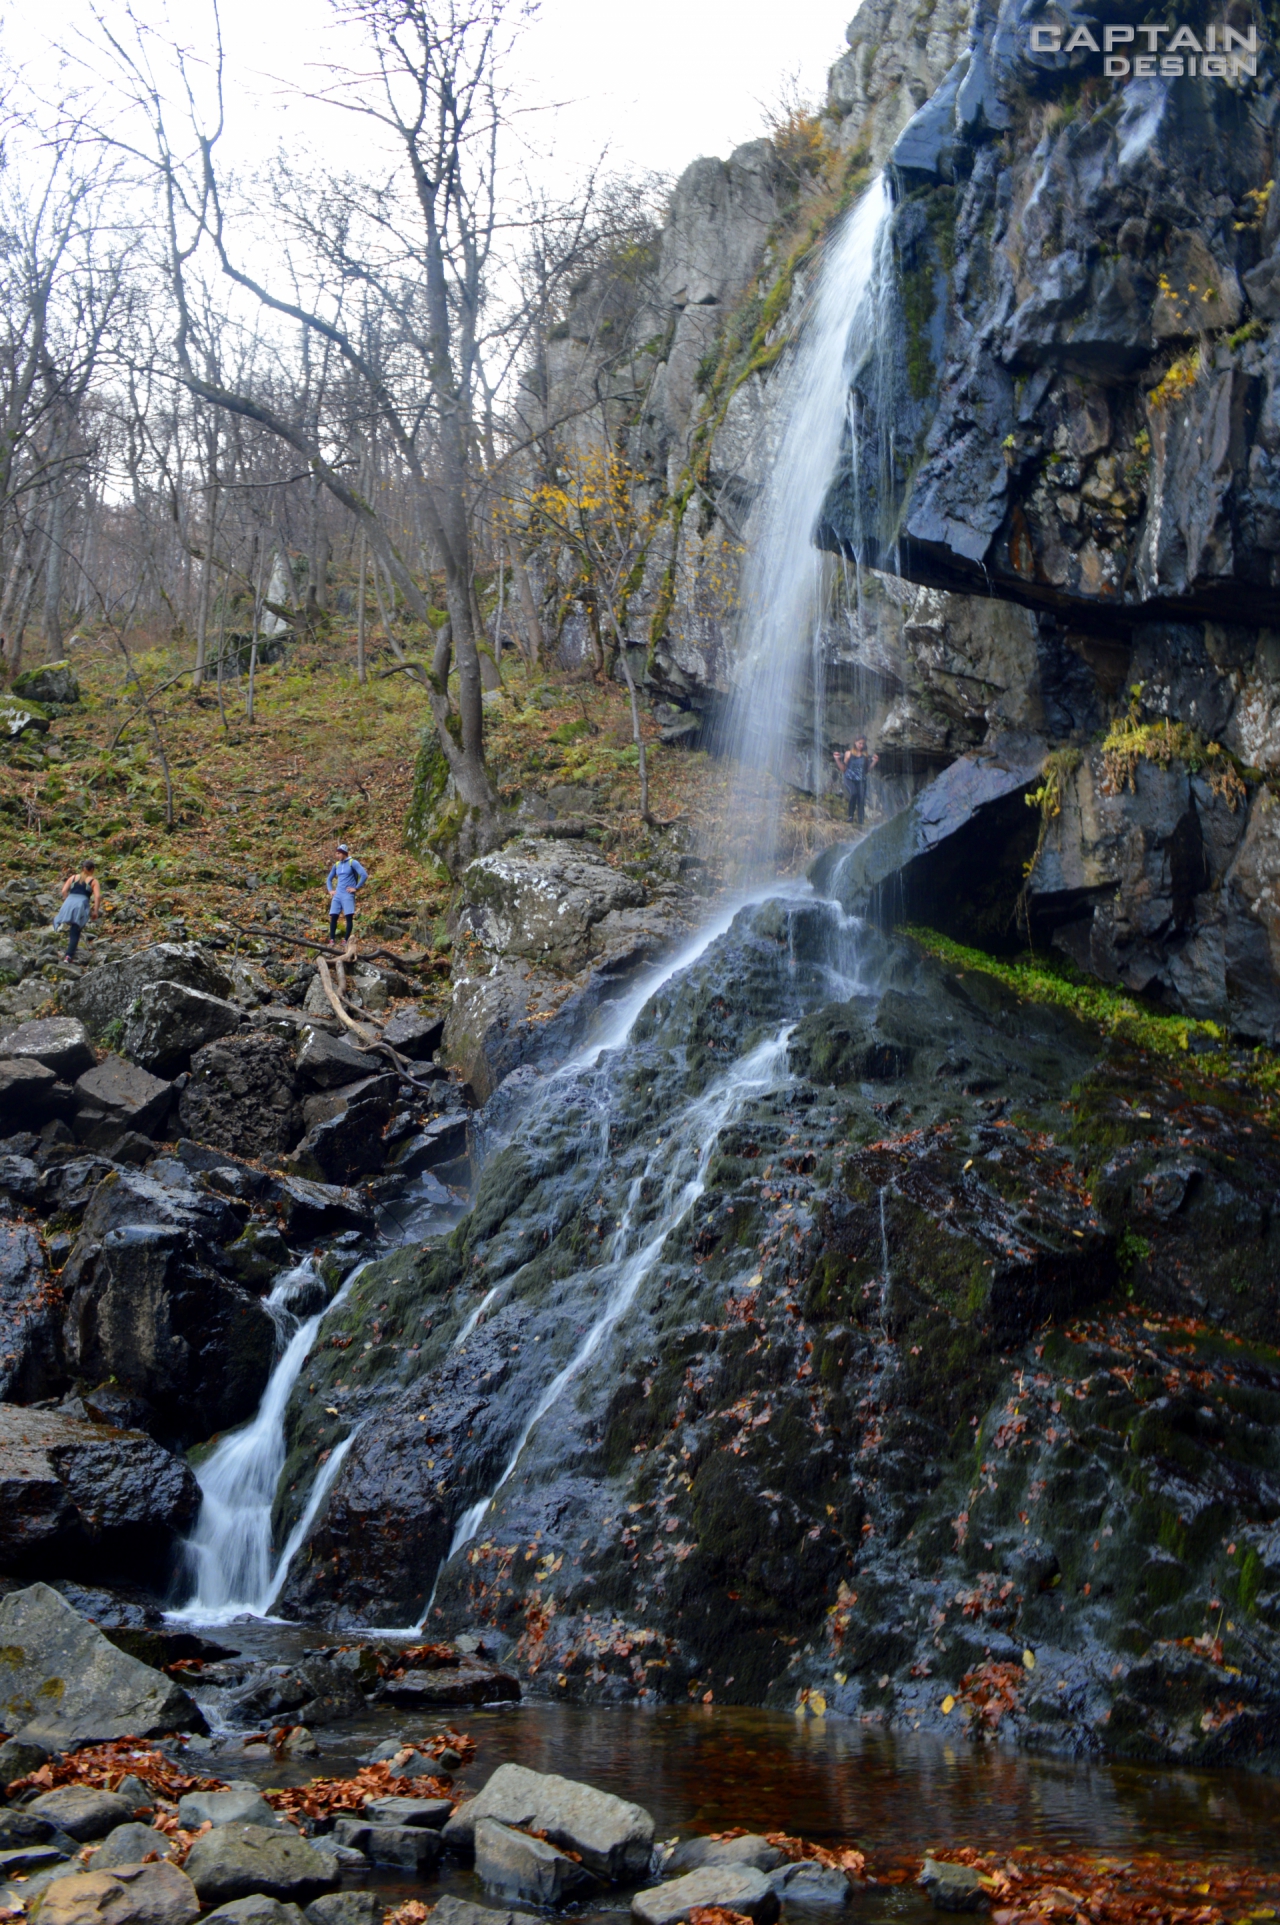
53	577
536	641
364	563
206	578
442	657
253	636
497	627
23	617
637	737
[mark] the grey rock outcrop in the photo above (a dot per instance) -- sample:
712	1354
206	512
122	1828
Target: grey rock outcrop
549	929
129	1844
63	1684
170	1021
240	1802
146	1305
83	1499
116	1096
106	993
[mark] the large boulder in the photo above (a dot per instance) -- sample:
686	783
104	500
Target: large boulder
541	900
240	1095
115	1096
106	993
326	1062
63	1684
30	1317
234	1861
82	1811
239	1803
156	1894
610	1835
550	930
413	1035
59	1042
170	1021
30	1095
84	1499
146	1306
51	682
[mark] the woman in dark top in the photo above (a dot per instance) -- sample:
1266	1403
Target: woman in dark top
81	898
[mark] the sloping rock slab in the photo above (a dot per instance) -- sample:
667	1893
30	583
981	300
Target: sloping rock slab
611	1835
308	1209
82	1497
735	1889
63	1684
899	860
450	1910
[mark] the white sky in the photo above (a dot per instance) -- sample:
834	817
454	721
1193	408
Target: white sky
661	81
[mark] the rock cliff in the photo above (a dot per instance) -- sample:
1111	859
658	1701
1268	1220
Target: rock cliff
1069	404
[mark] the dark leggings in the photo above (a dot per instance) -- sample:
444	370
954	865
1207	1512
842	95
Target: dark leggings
333	925
857	802
74	931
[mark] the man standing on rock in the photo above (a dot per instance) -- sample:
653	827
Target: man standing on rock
344	882
855	767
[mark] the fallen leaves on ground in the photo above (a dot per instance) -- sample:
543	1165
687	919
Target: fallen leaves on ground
717	1915
103	1766
412	1912
326	1797
1027	1887
843	1858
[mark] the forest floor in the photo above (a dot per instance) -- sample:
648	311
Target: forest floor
259	805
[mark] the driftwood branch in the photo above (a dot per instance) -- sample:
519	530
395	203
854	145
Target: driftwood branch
429	960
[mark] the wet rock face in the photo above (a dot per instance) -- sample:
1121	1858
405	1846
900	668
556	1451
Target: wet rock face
88	1500
950	1340
148	1305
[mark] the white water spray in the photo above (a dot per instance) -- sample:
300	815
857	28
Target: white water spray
230	1548
786	578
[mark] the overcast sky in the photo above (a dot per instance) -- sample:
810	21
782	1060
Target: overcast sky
661	82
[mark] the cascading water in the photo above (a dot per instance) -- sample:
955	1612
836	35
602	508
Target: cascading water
230	1550
787	579
696	1130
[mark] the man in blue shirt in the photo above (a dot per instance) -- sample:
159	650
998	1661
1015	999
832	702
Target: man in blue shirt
345	880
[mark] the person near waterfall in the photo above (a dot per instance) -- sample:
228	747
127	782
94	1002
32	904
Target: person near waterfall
855	766
345	880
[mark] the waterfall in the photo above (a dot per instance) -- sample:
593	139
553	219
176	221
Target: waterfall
229	1551
786	578
694	1131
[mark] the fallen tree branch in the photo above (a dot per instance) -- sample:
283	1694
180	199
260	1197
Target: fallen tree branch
366	1036
430	959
